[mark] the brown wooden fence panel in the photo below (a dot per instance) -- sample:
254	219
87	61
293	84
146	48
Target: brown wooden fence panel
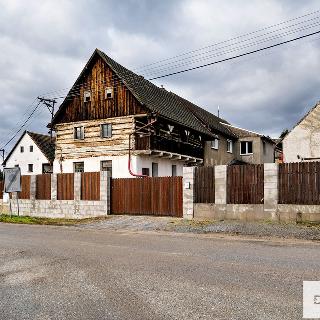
204	185
25	187
299	183
43	187
1	189
245	184
90	186
65	186
147	196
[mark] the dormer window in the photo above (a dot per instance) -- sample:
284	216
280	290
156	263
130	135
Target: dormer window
109	93
87	96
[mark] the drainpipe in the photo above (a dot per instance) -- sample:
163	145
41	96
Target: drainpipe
129	159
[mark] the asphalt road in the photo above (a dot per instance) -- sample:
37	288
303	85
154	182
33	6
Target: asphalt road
73	273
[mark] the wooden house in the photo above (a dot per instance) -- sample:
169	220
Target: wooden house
113	119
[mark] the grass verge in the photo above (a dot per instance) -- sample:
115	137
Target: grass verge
46	221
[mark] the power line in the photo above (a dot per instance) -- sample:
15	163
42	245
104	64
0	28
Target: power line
237	56
115	77
246	40
24	124
235	38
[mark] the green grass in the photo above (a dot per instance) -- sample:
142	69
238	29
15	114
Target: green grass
46	221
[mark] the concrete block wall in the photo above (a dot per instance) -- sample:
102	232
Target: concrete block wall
269	210
70	209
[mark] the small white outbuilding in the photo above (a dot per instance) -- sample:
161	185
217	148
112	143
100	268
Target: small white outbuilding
33	153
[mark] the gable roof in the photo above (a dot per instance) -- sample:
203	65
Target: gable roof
44	144
42	141
242	133
304	117
160	101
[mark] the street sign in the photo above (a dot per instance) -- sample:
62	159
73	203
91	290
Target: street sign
12	179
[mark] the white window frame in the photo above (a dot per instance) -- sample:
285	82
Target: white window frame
30	167
101	130
229	146
81	133
108	91
87	96
247	153
215	143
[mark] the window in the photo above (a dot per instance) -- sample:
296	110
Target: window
31	149
108	93
78	167
30	167
174	170
22	149
86	96
229	146
215	144
146	171
245	147
47	168
79	133
107	166
106	130
154	169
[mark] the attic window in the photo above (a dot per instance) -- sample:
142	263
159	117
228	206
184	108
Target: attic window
87	96
108	93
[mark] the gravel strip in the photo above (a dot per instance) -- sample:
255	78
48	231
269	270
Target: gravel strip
257	229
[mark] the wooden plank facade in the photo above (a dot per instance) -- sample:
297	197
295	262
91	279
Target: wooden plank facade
96	79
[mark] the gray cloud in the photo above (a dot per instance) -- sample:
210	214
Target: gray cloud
46	44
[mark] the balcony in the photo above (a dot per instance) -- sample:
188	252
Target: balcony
156	143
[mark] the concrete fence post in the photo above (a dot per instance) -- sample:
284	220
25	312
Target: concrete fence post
220	174
77	186
188	192
54	187
271	190
33	187
105	190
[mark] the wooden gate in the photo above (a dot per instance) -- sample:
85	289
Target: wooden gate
245	184
147	196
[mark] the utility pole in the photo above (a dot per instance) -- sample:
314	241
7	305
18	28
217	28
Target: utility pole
2	152
49	103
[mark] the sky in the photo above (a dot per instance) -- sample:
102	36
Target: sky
45	44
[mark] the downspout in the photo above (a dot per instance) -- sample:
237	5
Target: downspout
129	159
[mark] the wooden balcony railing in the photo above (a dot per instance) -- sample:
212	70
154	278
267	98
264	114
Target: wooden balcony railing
168	145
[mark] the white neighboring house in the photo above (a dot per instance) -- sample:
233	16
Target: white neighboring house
302	142
33	153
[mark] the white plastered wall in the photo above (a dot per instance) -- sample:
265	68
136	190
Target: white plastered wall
23	159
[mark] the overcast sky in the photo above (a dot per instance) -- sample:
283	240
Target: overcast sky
45	44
